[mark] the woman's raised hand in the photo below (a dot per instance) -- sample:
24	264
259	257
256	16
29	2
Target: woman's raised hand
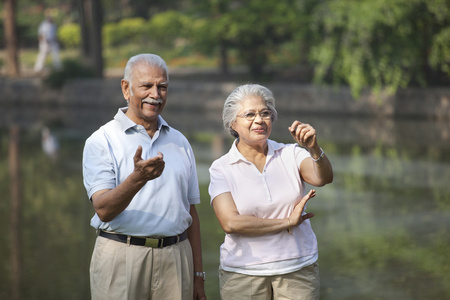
304	134
296	218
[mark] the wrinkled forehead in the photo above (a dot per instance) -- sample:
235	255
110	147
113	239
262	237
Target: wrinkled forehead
147	72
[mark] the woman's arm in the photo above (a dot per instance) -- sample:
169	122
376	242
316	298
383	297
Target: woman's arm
317	173
233	222
317	170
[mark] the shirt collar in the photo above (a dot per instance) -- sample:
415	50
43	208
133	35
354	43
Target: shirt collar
126	123
236	156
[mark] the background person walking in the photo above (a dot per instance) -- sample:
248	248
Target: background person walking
48	42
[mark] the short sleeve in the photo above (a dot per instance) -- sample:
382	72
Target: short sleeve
98	168
194	192
300	154
218	183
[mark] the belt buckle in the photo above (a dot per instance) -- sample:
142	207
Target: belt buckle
152	243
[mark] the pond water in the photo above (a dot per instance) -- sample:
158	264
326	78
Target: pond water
382	225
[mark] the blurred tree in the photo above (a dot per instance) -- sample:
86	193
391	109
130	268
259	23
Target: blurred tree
91	20
253	27
384	44
140	8
207	38
11	38
69	35
126	31
169	27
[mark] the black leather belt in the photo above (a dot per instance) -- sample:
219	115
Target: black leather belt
148	242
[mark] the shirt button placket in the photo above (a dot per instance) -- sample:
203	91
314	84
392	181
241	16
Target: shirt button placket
266	187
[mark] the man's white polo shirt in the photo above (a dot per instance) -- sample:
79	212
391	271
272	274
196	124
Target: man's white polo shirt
161	207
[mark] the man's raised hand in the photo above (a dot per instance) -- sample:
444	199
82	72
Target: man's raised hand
148	169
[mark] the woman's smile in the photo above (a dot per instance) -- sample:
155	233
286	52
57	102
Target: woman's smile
259	129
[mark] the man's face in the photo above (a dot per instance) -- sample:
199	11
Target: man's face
147	95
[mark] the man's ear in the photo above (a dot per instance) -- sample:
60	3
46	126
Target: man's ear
125	89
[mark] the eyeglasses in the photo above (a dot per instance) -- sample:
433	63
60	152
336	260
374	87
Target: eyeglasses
250	116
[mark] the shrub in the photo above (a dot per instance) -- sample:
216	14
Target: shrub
71	69
126	31
168	27
69	35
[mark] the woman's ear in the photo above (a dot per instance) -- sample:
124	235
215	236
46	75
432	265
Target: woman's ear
233	126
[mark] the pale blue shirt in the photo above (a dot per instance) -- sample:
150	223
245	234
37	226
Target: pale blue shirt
271	194
161	207
48	31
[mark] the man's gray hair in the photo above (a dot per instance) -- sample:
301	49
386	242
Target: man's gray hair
235	99
150	59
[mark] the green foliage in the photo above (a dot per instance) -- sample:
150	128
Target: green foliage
126	31
440	51
168	27
69	35
203	35
255	29
71	69
382	44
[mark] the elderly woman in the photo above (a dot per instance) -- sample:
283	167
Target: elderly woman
258	194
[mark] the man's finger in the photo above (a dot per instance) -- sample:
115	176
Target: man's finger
154	160
137	155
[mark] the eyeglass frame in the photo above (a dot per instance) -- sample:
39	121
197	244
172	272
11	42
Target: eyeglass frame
268	111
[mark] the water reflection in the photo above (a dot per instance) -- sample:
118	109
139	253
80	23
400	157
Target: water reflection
382	225
384	235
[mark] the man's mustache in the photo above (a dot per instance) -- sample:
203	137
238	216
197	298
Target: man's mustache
152	101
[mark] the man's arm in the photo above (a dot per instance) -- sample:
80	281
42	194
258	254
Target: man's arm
195	240
109	203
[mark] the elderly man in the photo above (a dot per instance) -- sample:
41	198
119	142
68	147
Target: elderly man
140	175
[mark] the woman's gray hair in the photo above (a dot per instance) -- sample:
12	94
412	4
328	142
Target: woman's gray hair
234	100
150	59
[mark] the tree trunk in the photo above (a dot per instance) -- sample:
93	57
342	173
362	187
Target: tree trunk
11	39
224	58
96	37
16	203
85	45
91	22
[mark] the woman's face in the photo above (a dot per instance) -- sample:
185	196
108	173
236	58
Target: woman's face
254	131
